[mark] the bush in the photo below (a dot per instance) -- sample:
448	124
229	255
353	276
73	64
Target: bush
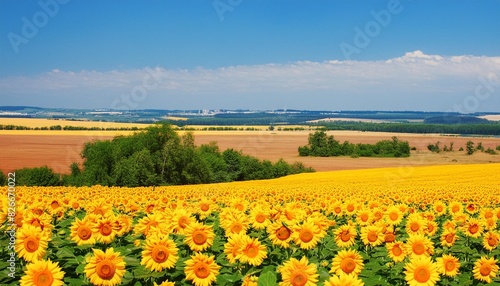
42	176
3	179
490	151
498	148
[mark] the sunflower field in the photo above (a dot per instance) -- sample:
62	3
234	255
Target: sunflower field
391	226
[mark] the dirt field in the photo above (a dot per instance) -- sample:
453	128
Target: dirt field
59	150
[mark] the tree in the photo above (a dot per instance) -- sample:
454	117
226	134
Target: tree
41	176
3	179
469	146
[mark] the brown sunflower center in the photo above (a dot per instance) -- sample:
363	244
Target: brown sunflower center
350	208
159	254
348	265
201	270
306	235
54	204
488	214
485	269
105	269
251	251
31	244
199	237
204	207
439	208
449	265
236	227
38	211
364	217
345	236
492	241
422	274
260	218
283	233
106	229
337	210
393	216
298	278
415	226
473	228
396	250
43	278
84	232
372	237
418	248
389	237
183	222
449	237
455	208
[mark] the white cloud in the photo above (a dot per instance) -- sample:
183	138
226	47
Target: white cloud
414	74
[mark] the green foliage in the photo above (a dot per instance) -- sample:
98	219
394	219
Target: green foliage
434	147
469	146
41	176
498	148
159	156
322	145
3	179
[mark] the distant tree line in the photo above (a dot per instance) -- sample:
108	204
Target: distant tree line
59	127
158	156
473	129
322	145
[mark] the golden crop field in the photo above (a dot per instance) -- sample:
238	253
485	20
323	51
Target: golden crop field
436	225
42	122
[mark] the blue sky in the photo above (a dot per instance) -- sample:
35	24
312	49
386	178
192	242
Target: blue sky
192	54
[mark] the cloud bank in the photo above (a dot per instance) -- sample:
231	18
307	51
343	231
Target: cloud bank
407	82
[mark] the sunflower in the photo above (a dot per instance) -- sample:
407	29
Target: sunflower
280	234
31	243
81	231
448	238
181	219
43	220
473	228
199	236
393	215
304	235
159	253
153	222
250	281
439	208
345	235
259	218
233	246
431	228
164	283
415	224
205	208
105	268
372	235
344	280
201	269
396	251
104	229
421	271
448	265
251	251
347	262
490	240
237	224
298	273
364	216
419	245
485	269
455	207
122	224
42	273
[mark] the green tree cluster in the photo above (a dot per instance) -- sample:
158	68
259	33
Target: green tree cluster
159	156
322	145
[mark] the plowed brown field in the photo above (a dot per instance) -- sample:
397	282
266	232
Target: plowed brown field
58	149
